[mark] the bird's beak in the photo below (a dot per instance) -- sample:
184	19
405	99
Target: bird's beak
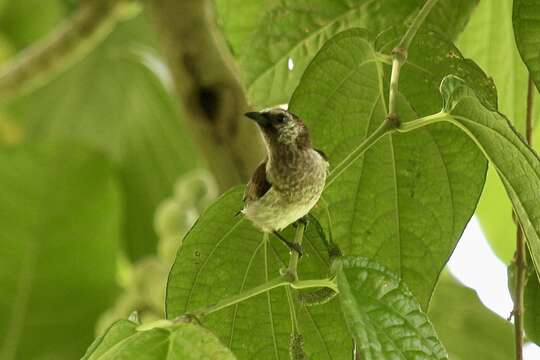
259	118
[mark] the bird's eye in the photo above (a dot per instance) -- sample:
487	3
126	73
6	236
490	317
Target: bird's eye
281	118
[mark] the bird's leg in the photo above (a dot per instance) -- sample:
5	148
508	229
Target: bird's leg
292	246
303	220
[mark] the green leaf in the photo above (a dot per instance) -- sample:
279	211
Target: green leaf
516	163
383	316
531	302
223	255
292	33
407	201
486	41
26	21
125	340
60	218
116	105
466	327
526	20
3	5
239	18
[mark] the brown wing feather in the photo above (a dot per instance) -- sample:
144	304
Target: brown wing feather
258	185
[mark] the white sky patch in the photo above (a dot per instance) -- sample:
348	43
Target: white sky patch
290	64
475	265
531	352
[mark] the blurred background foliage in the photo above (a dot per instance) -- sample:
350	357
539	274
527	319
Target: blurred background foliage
100	183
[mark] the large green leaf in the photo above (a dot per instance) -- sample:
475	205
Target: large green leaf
223	255
382	314
113	103
487	42
516	163
290	35
239	18
2	5
526	19
466	327
25	21
124	340
532	308
407	201
60	219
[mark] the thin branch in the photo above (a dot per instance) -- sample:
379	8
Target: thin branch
392	122
400	56
72	40
521	251
518	311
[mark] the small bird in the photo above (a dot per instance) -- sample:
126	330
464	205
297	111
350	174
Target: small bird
289	182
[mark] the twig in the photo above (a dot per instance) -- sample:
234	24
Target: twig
521	251
391	122
400	57
73	39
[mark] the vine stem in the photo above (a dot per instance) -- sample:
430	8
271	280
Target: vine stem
399	54
391	123
294	257
74	38
521	251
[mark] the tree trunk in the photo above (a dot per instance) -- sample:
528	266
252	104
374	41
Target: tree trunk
208	87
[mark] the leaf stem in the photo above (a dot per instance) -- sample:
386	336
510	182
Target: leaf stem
521	251
235	299
423	121
257	290
388	126
73	39
293	260
318	283
400	56
391	123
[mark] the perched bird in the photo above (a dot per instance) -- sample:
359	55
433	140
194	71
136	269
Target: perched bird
289	182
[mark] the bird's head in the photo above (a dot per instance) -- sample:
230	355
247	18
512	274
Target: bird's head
281	128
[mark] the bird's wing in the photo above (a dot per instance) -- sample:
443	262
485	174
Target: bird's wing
258	185
324	156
